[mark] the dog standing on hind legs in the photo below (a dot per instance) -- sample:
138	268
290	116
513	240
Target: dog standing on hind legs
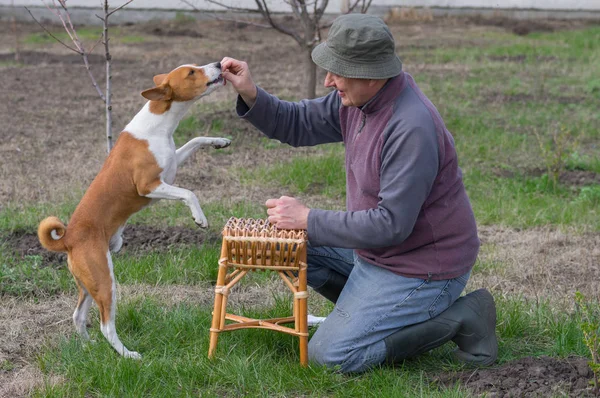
138	171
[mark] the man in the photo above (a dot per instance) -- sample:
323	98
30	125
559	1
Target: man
396	261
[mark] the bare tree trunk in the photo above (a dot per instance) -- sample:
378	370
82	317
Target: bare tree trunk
310	40
16	35
108	103
310	73
13	22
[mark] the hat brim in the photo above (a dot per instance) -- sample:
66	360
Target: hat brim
332	62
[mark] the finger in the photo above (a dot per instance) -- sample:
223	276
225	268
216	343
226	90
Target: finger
271	202
228	75
226	62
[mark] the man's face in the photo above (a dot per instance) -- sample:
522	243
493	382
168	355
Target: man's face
353	92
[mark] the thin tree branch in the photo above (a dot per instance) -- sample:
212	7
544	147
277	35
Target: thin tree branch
108	99
218	18
365	6
117	9
51	35
264	9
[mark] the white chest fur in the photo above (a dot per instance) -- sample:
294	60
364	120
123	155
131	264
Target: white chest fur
158	130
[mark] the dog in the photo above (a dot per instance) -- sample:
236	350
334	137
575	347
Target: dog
139	170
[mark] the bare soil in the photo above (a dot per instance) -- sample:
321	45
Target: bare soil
52	145
527	377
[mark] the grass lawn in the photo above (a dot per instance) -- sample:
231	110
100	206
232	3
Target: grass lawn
525	117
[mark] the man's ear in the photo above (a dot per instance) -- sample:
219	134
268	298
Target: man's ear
160	93
159	79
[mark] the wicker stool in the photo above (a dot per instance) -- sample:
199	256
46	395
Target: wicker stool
248	245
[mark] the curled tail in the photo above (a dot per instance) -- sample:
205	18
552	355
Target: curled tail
50	234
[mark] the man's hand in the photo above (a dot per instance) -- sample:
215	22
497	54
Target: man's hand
238	74
287	213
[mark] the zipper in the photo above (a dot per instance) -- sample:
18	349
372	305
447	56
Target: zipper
362	125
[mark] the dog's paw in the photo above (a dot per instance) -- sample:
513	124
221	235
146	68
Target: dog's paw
221	143
132	355
202	222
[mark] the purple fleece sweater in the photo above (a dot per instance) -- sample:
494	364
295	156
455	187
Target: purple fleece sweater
407	208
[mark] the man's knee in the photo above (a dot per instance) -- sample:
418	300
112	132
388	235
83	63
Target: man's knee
338	357
325	353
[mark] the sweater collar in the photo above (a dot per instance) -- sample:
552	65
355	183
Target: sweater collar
388	92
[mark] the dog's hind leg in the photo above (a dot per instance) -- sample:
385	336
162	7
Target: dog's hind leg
108	307
81	311
95	272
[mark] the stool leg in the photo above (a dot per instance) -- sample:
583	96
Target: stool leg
220	302
302	315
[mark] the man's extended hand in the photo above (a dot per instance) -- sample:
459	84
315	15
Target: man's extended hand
238	74
287	213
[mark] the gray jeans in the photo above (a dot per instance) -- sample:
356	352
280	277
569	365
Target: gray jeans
373	304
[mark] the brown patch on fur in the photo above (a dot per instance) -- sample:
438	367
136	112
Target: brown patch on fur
129	172
160	107
182	84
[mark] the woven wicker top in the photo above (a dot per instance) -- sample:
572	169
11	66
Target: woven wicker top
259	228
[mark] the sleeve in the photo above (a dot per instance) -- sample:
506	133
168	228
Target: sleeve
409	166
304	123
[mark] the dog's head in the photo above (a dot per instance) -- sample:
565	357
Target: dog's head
186	83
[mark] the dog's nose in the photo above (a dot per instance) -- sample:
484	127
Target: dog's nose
218	65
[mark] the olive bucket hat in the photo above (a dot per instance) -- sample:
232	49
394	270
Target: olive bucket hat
359	46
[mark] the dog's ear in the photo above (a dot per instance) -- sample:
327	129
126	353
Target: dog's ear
159	79
160	93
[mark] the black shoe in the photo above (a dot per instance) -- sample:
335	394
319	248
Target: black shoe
333	287
470	322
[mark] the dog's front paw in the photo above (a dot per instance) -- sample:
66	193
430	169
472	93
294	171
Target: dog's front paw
221	143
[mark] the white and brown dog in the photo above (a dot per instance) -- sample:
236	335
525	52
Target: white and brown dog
139	170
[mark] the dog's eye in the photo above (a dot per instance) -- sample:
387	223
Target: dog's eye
191	72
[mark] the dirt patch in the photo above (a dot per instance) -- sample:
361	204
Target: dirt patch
25	326
527	377
173	28
579	178
539	264
523	27
137	240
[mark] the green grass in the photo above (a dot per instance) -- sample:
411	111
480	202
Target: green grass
26	217
27	277
505	89
527	202
323	174
84	34
174	344
192	126
184	265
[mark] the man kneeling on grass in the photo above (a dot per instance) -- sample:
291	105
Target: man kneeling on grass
396	262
